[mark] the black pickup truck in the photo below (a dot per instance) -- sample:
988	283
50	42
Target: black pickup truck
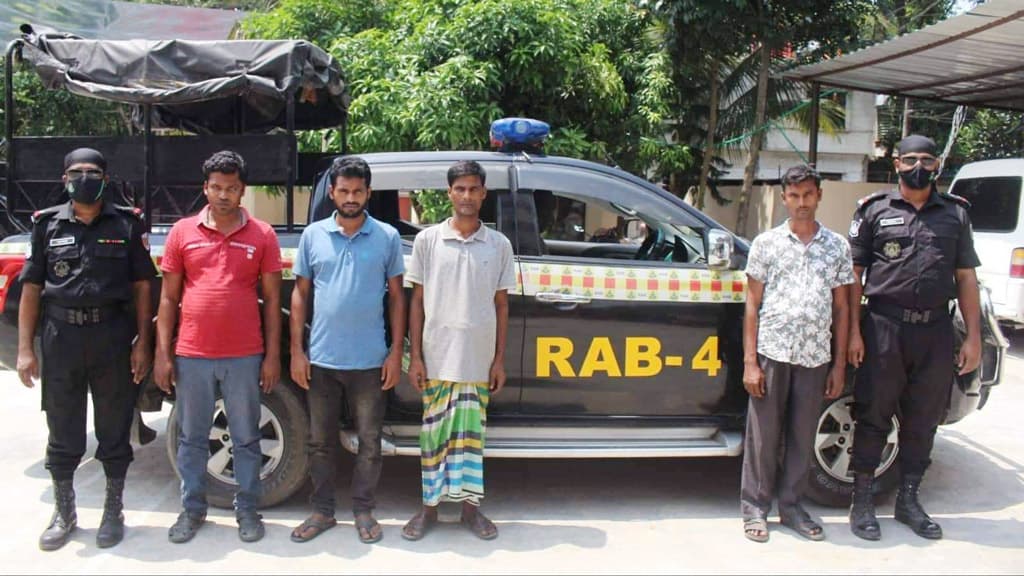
625	326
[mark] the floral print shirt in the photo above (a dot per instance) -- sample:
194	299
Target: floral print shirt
795	319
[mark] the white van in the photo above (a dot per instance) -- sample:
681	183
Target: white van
993	188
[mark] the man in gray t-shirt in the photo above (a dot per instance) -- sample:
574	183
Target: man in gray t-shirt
461	273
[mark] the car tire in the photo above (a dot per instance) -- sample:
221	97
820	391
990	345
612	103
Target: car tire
284	424
830	481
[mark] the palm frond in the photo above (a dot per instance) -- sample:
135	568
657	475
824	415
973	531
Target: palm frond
788	105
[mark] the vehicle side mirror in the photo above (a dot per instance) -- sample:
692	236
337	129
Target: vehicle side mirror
720	248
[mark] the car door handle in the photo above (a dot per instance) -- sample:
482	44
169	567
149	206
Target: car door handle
561	298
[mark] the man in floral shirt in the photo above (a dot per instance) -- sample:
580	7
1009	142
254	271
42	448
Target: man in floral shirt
797	299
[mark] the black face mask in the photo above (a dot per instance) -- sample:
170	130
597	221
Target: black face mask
917	178
86	190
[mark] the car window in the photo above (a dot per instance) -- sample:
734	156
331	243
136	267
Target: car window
419	208
585	215
414	196
995	201
574	225
605	188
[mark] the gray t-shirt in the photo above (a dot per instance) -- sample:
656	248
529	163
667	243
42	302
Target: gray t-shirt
460	277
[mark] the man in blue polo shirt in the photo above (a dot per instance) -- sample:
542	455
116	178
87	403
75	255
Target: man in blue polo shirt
350	259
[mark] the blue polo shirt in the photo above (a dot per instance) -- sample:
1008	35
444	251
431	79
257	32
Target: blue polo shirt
349	275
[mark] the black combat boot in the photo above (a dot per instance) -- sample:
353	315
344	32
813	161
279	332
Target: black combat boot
863	522
112	525
910	512
64	516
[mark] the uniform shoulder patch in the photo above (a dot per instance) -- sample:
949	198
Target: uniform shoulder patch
44	213
871	198
136	212
958	199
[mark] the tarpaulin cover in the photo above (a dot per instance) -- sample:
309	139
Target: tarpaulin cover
221	87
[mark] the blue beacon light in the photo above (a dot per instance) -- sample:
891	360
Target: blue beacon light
519	134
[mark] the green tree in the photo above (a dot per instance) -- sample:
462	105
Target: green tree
698	74
433	74
42	112
739	44
991	134
899	116
885	19
810	28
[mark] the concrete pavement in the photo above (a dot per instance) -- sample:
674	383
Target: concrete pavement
565	516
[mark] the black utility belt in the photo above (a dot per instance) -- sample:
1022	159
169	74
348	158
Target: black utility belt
85	315
909	315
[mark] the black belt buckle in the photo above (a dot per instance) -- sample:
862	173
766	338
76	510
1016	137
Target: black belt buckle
917	316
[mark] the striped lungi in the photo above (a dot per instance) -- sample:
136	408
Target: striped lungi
452	441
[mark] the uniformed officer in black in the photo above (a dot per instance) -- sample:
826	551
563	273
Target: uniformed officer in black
88	262
915	246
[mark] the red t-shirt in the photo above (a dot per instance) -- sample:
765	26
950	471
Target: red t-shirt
220	314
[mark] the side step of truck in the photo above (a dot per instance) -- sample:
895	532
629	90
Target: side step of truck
576	442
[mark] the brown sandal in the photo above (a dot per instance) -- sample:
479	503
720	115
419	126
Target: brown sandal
365	522
301	532
805	527
756	529
418	526
480	526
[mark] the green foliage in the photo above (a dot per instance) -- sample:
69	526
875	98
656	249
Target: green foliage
432	206
885	19
788	104
433	74
718	44
991	134
319	21
890	18
42	112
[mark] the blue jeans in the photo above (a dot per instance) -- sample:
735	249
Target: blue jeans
197	382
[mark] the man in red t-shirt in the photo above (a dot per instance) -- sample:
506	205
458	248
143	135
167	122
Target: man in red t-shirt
212	264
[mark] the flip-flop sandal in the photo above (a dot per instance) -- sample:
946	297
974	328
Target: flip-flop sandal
481	526
805	527
299	534
753	526
417	527
367	523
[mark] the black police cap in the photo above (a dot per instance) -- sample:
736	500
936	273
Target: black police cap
915	143
85	155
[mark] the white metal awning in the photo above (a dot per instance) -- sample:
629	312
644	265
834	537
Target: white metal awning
975	59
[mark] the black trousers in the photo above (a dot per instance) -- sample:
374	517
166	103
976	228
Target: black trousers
909	368
78	360
361	389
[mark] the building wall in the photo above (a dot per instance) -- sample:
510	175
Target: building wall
846	153
272	209
838	202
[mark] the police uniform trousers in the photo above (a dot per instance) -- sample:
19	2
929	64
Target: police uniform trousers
907	370
80	359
